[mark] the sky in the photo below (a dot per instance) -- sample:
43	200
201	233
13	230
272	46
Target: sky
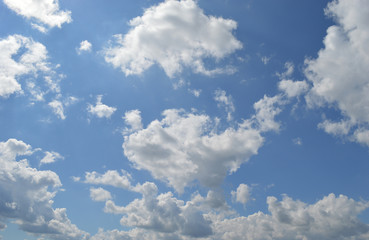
184	119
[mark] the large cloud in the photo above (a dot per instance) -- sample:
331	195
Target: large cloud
173	34
27	195
44	14
331	218
183	147
340	73
162	216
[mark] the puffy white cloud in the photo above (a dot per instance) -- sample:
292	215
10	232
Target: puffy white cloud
293	88
340	72
32	59
162	213
226	102
44	14
99	194
173	34
331	218
85	46
266	109
183	147
134	120
242	194
101	110
110	178
27	195
51	157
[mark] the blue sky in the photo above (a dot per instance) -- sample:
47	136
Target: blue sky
222	119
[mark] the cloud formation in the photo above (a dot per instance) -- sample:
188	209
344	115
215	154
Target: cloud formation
173	34
85	46
331	218
340	72
44	14
242	194
183	147
101	110
27	195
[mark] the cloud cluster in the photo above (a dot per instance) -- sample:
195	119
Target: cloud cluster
44	14
163	216
331	218
27	195
340	72
242	194
173	34
23	59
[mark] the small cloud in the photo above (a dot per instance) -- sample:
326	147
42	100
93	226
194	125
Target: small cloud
195	92
242	194
51	157
85	46
297	141
99	194
101	110
265	59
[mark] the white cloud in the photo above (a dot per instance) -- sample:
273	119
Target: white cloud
297	141
58	108
340	72
226	102
293	88
331	218
101	110
109	178
183	147
99	194
27	195
85	46
31	61
51	157
162	213
133	119
242	194
266	109
173	34
44	14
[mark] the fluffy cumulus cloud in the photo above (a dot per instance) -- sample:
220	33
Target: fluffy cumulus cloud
133	120
163	216
183	147
173	34
44	14
339	74
84	46
27	195
99	194
242	194
293	88
331	218
31	60
110	178
101	110
51	157
162	213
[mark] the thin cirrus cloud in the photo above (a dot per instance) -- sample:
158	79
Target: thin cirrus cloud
340	72
27	195
43	14
151	40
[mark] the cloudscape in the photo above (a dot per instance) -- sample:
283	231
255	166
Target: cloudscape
184	120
